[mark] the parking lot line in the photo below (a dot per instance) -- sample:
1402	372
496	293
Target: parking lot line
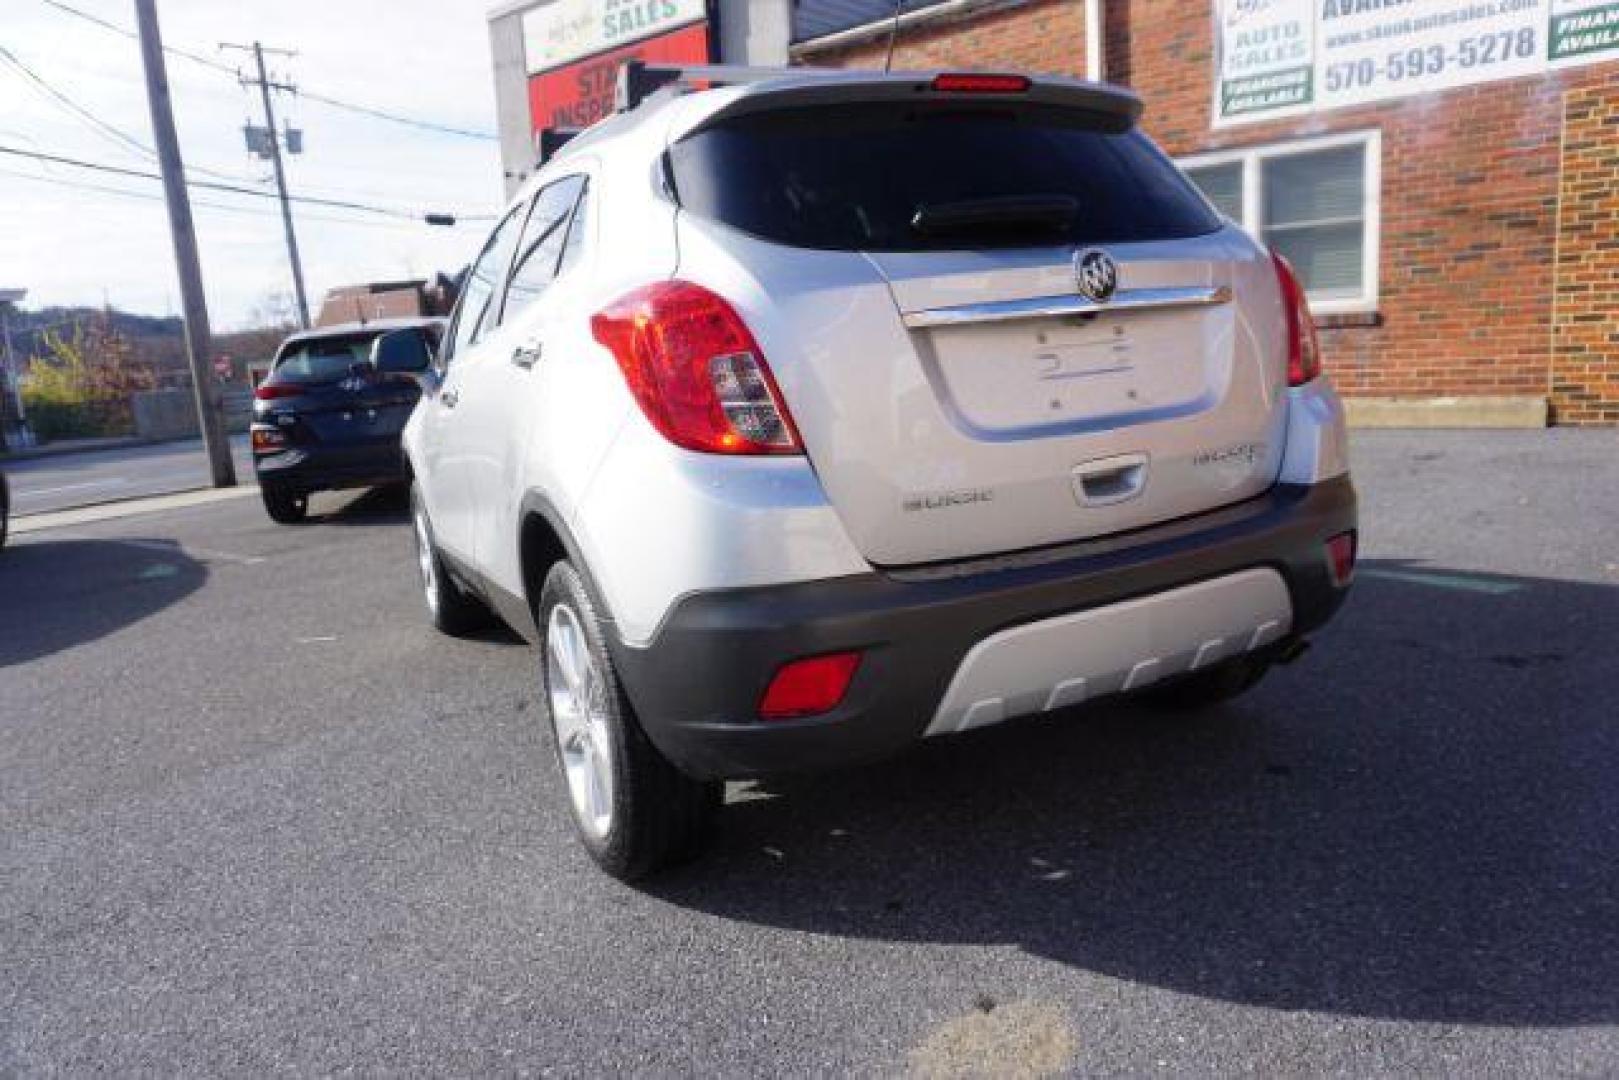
1463	582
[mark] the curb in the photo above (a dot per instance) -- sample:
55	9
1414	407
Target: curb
33	453
121	508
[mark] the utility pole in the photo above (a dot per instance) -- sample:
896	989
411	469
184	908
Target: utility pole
274	149
19	424
195	305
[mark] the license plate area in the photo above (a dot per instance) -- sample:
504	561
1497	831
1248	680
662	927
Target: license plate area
1076	372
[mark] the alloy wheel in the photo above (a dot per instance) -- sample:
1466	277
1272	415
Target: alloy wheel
579	714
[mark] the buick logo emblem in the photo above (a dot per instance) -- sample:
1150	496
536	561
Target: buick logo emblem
1097	274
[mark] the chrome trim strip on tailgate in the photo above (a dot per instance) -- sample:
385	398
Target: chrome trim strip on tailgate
1045	307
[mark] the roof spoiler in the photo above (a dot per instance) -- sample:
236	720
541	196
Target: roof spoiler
549	141
638	80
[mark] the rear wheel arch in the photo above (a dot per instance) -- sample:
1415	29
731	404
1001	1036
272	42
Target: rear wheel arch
544	540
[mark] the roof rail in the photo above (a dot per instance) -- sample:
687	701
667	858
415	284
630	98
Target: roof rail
639	80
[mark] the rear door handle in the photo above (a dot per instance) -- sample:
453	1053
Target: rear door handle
448	397
526	356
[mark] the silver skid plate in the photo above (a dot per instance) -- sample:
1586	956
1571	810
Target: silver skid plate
1063	661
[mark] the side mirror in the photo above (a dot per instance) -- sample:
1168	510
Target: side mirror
401	352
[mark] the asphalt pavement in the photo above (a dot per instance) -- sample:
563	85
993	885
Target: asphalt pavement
255	816
57	482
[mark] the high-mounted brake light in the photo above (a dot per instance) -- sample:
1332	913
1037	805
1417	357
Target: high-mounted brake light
271	391
696	371
968	82
810	686
1303	347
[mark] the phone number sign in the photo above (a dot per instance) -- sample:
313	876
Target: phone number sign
1285	57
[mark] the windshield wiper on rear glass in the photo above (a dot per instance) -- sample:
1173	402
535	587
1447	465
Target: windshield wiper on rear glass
1007	212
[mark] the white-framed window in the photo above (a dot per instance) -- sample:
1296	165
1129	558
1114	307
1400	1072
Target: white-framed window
1316	200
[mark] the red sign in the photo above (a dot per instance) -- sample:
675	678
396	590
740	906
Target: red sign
577	95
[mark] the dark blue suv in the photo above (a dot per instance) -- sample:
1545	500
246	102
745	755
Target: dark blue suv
325	418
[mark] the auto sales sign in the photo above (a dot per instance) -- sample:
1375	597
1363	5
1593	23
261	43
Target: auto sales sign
574	48
1284	57
562	31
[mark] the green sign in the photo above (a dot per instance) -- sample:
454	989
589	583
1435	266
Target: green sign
1583	32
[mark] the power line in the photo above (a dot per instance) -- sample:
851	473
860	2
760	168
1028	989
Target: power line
321	188
323	99
210	185
127	141
381	114
123	138
106	189
122	31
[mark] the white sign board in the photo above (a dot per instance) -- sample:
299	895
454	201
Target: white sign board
561	31
1284	57
1267	58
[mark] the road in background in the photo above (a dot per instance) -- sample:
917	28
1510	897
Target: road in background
256	817
61	481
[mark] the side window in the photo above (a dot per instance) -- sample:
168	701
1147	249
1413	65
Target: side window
471	316
574	246
541	246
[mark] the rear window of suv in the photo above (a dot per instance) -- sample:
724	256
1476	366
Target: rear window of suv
866	177
323	360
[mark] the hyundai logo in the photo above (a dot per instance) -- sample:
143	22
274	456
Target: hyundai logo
1097	274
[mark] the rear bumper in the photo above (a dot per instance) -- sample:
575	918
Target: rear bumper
317	467
697	684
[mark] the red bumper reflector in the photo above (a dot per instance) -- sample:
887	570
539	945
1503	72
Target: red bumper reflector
968	82
810	686
1341	558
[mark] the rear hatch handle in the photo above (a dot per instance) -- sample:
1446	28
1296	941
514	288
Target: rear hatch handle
1046	307
1110	480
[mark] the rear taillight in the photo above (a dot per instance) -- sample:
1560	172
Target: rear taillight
271	391
268	440
971	82
1303	348
810	686
696	371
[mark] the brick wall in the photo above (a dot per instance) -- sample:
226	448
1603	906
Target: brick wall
1585	341
1035	35
1469	209
1469	274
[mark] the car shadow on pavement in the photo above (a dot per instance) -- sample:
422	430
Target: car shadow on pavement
1419	820
55	594
388	505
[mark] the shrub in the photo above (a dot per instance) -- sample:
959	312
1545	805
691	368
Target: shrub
82	387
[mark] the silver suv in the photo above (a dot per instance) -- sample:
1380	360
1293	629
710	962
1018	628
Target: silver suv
802	418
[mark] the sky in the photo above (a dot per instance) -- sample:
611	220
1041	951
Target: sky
427	59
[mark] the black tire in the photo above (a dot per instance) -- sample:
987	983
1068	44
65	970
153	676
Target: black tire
660	817
285	505
451	609
1222	682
